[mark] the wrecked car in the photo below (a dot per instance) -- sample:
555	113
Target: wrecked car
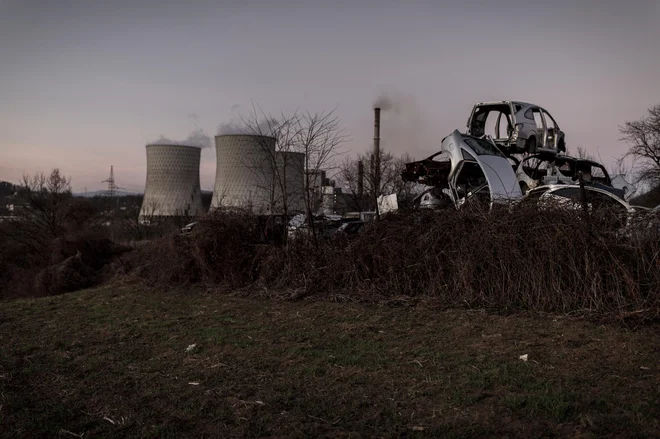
466	169
547	169
517	127
571	197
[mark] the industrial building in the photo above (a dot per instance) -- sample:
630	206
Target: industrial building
172	187
291	171
332	201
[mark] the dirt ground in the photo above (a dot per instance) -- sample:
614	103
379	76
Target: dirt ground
134	362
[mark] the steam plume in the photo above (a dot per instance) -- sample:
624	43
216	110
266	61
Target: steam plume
264	127
197	138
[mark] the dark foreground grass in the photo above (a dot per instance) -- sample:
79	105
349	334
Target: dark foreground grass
112	362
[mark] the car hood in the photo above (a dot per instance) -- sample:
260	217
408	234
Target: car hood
501	177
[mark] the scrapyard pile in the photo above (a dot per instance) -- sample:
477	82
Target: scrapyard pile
510	151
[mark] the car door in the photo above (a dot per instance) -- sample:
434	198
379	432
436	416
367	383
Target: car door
467	180
451	145
541	128
552	138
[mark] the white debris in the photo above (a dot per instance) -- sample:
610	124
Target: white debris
194	384
191	347
524	357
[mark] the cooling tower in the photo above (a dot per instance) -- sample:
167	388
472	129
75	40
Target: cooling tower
291	171
172	187
244	174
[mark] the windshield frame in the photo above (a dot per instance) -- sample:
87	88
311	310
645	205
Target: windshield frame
483	147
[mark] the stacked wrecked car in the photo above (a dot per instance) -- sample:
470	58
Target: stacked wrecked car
510	151
466	169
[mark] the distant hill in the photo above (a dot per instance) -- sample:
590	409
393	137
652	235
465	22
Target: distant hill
103	193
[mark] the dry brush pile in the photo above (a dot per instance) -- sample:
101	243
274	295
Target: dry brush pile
552	260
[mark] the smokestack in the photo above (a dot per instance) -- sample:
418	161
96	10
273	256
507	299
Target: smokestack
376	156
360	182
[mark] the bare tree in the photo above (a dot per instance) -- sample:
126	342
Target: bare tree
581	153
318	136
352	180
643	136
305	144
272	174
47	198
44	212
390	179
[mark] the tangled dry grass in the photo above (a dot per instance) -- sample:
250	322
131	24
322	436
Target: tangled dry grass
554	260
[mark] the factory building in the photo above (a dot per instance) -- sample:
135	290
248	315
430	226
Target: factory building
291	179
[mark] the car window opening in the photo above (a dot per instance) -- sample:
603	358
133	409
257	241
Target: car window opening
471	183
485	121
482	147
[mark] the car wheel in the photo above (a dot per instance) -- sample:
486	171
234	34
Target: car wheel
530	145
562	145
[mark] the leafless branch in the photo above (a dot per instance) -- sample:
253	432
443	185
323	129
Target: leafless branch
643	136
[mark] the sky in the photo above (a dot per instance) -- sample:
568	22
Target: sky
86	84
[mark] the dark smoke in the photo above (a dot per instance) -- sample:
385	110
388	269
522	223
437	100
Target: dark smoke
404	127
385	102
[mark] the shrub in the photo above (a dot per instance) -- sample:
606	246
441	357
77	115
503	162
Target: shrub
551	260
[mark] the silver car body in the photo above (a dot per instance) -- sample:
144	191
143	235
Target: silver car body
500	177
546	169
569	196
476	168
517	127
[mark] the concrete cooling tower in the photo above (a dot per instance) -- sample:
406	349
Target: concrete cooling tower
172	187
291	169
244	174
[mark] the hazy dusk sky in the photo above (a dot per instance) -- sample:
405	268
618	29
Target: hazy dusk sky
86	84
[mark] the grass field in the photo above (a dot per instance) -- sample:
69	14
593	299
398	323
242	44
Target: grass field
113	362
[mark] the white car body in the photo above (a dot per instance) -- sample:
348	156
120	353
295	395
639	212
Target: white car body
570	196
471	167
517	127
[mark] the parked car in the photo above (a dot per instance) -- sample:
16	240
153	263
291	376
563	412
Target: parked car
517	127
350	228
188	228
466	169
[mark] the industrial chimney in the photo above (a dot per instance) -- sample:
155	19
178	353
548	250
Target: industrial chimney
376	156
360	182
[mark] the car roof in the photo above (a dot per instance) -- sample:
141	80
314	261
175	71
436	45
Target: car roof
590	187
524	104
549	156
